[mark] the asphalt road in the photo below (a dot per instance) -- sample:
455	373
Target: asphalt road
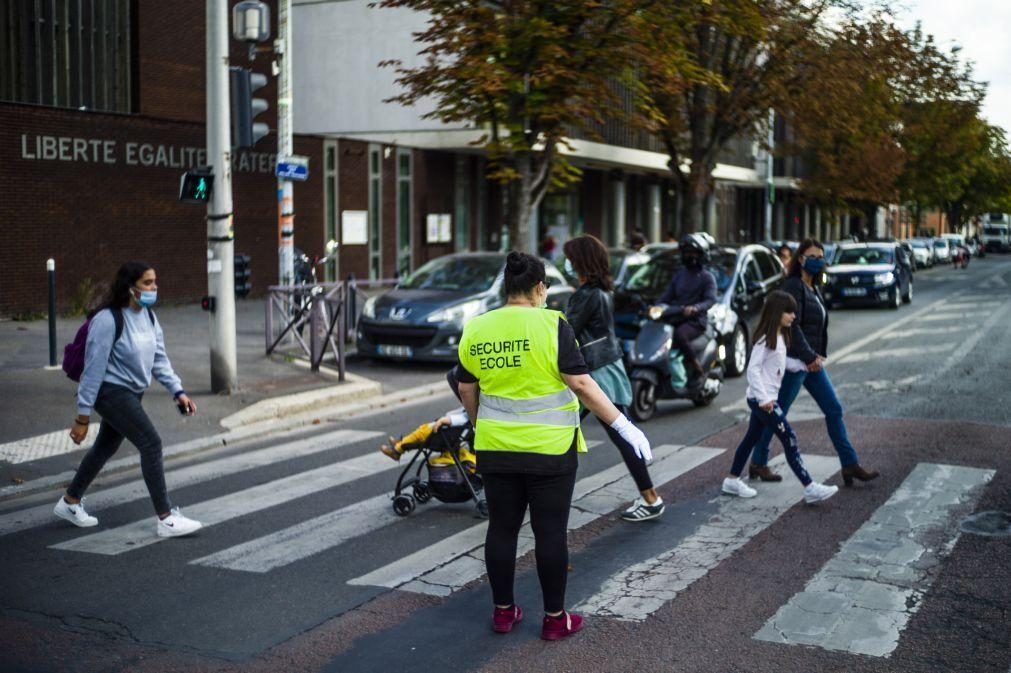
295	573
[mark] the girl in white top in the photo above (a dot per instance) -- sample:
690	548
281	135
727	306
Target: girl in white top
765	374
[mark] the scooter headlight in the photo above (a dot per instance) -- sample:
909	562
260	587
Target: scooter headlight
655	312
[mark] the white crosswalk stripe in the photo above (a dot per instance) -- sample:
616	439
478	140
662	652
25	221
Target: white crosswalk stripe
452	563
193	474
248	501
862	599
635	592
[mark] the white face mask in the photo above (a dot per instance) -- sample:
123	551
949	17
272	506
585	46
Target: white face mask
568	268
544	299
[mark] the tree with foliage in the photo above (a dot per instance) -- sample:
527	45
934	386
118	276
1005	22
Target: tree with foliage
710	72
527	72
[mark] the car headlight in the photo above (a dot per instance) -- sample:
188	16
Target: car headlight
830	278
460	313
886	278
369	309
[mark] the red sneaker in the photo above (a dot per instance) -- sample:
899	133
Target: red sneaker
503	619
556	628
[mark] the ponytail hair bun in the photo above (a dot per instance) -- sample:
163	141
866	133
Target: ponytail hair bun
522	273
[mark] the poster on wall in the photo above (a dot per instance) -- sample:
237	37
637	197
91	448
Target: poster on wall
354	227
438	228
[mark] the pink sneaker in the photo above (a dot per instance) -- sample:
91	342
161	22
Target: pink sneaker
502	620
556	628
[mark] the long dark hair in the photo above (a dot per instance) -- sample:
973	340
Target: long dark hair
522	273
771	321
796	264
590	260
119	293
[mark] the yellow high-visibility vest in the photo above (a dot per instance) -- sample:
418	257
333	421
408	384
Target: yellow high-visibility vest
525	405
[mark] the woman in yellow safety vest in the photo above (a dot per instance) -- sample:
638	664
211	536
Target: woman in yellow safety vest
522	377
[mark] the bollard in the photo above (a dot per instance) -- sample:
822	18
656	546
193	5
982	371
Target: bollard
350	316
51	272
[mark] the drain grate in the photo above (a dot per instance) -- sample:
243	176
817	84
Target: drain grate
988	524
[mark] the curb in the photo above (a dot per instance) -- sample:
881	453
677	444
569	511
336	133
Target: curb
308	416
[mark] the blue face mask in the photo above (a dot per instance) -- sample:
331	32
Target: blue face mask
568	268
146	298
814	265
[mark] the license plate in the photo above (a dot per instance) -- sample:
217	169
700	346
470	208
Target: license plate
854	291
395	351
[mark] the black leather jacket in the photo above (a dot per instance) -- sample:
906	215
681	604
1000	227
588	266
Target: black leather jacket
809	334
591	314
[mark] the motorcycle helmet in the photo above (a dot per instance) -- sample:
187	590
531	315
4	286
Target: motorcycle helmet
694	246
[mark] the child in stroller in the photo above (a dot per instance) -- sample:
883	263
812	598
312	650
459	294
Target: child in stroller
443	448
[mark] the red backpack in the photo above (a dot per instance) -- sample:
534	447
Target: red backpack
73	353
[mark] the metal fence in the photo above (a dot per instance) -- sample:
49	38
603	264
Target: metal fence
317	322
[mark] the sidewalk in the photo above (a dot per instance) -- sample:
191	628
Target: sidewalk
40	403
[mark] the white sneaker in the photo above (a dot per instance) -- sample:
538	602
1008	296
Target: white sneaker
738	487
176	525
75	514
643	511
815	492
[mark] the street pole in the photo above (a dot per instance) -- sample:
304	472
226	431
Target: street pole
769	193
285	188
51	276
220	253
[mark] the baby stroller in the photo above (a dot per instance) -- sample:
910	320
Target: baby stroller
454	482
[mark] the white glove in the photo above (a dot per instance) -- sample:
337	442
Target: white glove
633	436
457	418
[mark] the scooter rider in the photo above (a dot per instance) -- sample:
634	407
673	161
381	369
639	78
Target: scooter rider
693	288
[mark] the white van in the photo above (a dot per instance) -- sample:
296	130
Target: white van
996	234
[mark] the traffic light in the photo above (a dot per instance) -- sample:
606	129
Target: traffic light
246	132
195	186
243	284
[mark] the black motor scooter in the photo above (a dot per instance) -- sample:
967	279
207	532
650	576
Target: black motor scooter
657	369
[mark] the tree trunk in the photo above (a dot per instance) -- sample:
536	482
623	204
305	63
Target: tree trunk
694	192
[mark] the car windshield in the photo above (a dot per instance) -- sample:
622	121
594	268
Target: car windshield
459	274
652	278
994	231
918	244
864	256
617	257
940	244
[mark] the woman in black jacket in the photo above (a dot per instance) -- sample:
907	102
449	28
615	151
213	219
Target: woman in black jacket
591	314
808	349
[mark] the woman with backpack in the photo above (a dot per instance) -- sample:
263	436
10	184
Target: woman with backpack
125	347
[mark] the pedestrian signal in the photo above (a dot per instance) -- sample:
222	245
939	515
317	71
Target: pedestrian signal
196	185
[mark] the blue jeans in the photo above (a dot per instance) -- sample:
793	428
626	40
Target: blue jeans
773	422
820	387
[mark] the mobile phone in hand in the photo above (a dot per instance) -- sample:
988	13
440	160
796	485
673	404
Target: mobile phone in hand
183	408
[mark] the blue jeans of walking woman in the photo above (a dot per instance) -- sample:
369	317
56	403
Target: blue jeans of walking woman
124	417
773	422
821	389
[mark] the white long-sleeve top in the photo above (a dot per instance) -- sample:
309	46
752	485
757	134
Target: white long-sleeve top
765	371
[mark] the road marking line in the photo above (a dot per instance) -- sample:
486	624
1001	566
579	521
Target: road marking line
924	331
863	597
966	347
442	568
241	503
192	474
895	353
45	446
639	590
311	537
961	315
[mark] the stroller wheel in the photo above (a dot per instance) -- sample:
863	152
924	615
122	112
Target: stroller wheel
482	508
403	505
422	493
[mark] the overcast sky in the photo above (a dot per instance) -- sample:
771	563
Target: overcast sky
983	29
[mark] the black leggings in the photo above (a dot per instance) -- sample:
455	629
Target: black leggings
549	498
124	417
636	465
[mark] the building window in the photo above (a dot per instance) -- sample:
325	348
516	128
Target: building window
375	214
68	53
403	212
461	205
330	180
